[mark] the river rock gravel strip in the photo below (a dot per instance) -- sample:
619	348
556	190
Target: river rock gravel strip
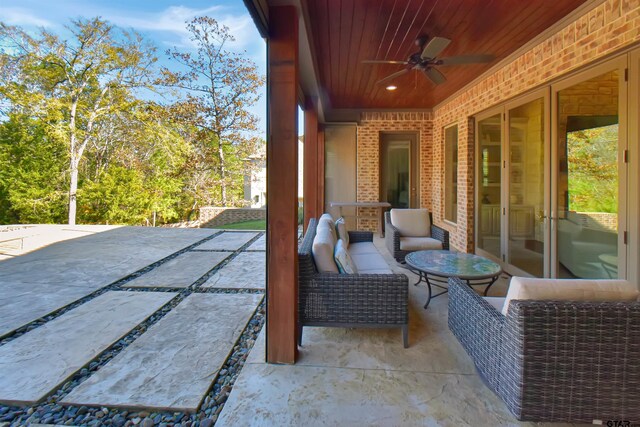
50	412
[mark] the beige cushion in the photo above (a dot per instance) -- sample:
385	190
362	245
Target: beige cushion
327	217
327	227
322	250
343	260
496	302
523	288
362	248
341	229
411	222
419	244
369	262
376	271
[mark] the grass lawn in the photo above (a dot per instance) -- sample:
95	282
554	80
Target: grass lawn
259	224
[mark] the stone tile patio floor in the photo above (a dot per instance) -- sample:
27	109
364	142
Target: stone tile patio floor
115	328
344	376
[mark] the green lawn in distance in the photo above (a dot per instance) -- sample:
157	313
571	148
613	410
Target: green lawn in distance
259	224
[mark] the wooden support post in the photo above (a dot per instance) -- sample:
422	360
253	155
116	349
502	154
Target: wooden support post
321	166
310	181
282	185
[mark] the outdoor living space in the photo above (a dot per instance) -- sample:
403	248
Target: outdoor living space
362	376
516	129
126	325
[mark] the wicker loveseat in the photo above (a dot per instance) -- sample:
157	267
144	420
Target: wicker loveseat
554	361
349	300
395	240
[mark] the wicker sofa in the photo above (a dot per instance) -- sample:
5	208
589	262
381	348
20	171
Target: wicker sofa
554	361
349	300
394	238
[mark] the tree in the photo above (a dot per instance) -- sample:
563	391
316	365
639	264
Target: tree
32	173
220	85
72	85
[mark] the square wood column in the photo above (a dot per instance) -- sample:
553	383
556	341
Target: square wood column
282	185
321	166
310	182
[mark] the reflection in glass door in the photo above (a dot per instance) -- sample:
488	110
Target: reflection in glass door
526	187
489	131
588	177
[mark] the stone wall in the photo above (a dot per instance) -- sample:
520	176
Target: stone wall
211	216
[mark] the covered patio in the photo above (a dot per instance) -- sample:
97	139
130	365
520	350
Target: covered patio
488	141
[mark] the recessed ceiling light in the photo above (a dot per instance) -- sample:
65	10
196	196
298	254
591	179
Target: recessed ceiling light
392	87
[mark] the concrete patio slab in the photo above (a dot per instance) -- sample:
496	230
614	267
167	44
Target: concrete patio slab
34	364
259	245
172	366
227	241
245	271
87	264
266	395
181	271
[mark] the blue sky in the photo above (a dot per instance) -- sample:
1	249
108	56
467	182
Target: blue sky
161	21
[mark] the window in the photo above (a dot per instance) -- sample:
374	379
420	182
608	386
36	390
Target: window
451	173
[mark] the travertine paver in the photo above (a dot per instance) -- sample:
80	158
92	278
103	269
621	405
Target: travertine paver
172	365
245	271
259	245
227	241
35	284
34	364
181	271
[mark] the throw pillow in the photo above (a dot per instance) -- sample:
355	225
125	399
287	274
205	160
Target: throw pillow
411	222
341	228
322	250
524	288
343	259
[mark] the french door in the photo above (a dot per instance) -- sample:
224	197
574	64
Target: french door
552	181
513	158
589	186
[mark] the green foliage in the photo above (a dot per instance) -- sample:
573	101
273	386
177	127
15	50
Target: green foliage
259	224
32	173
75	124
593	169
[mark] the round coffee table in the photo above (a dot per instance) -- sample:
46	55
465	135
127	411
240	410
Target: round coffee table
435	267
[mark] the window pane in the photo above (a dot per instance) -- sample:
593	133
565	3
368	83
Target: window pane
451	174
588	179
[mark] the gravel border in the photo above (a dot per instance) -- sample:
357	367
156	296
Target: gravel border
50	412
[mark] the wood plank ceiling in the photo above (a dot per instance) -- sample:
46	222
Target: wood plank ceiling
346	32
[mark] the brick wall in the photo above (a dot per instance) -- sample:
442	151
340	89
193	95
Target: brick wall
607	28
368	156
211	216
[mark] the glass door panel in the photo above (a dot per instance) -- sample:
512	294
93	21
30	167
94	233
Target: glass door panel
489	233
526	127
588	178
396	174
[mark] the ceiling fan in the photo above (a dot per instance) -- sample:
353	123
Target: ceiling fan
426	59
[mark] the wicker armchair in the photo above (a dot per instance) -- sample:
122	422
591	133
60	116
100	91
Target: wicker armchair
349	300
554	361
392	237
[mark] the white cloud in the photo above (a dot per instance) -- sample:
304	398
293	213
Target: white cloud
173	21
19	16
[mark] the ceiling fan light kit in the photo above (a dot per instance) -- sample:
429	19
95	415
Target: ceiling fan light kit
426	58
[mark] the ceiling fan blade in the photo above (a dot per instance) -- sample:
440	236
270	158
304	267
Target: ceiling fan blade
465	59
393	76
435	76
434	47
373	61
